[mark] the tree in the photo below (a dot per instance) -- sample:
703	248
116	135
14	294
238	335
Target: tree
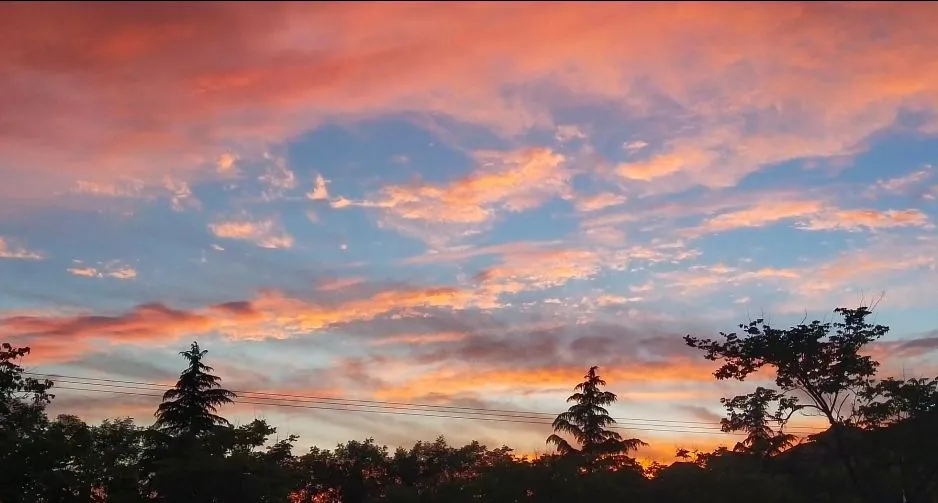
822	361
588	422
191	406
902	416
750	413
22	426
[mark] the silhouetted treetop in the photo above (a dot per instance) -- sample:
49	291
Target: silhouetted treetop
587	421
191	406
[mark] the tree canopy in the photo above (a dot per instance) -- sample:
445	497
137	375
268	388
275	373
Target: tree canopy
191	406
880	445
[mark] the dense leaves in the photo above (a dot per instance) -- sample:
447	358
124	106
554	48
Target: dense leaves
588	422
881	445
190	406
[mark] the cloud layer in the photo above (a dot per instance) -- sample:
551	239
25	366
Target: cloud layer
405	201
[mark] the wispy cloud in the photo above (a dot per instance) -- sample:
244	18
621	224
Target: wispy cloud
10	249
504	182
271	314
599	201
113	269
266	233
855	220
319	192
278	179
903	185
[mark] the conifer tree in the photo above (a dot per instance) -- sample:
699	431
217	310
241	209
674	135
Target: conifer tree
588	422
191	406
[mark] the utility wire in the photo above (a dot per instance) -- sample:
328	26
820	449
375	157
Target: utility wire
384	404
404	413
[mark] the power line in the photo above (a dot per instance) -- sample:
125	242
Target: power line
404	413
390	404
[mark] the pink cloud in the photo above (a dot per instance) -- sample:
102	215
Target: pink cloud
137	91
265	233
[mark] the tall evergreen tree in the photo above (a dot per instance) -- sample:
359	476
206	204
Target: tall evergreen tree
588	422
191	406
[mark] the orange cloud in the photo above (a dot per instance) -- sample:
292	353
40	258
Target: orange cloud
670	163
599	201
540	269
271	314
335	284
762	214
162	94
453	381
507	181
11	250
420	339
264	233
319	192
113	269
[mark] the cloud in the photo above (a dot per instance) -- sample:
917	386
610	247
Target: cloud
700	279
461	253
854	220
811	215
902	185
568	132
634	146
9	249
335	284
504	182
420	339
113	269
455	380
599	201
264	233
269	315
319	192
747	88
278	179
227	162
763	213
177	191
540	269
666	164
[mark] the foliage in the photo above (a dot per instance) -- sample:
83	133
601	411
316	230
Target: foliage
192	454
191	406
750	413
588	422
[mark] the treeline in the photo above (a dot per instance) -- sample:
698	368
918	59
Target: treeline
882	444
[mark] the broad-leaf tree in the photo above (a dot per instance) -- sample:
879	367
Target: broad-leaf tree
822	361
750	414
588	422
23	423
902	417
191	406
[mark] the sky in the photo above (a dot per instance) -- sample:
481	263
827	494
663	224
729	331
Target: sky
459	204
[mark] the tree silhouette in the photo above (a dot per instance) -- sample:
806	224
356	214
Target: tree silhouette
23	456
588	422
190	407
750	413
822	361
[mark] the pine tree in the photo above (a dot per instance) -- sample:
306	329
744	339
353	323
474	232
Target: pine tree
191	406
587	421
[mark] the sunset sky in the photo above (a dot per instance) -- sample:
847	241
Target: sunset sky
459	204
